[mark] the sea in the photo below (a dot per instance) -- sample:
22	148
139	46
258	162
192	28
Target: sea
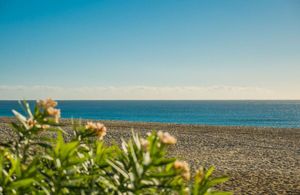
278	114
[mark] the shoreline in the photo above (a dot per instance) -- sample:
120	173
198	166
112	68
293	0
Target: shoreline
259	160
178	124
68	120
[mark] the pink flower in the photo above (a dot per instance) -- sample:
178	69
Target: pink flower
55	113
98	128
47	103
184	168
31	123
42	126
166	138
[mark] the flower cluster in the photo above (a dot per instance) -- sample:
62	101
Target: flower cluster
33	123
184	168
49	106
98	128
47	103
166	138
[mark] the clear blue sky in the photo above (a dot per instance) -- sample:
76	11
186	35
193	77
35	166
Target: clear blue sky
152	43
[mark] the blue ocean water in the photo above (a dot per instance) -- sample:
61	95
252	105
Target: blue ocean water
229	113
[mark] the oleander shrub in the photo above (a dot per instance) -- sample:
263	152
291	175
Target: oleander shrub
41	161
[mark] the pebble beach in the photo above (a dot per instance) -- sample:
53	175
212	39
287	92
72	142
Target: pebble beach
258	160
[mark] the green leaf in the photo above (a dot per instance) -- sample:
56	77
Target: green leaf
136	139
27	108
68	149
217	181
1	165
209	172
138	168
22	183
21	118
59	142
122	172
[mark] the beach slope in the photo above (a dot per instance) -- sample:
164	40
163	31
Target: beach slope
258	160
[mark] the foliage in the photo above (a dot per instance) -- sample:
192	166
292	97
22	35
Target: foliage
41	161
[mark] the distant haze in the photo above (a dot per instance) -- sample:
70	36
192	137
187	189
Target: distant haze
141	93
150	49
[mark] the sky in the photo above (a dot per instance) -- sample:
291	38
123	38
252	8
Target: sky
150	49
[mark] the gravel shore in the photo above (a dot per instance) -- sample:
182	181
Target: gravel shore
258	160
